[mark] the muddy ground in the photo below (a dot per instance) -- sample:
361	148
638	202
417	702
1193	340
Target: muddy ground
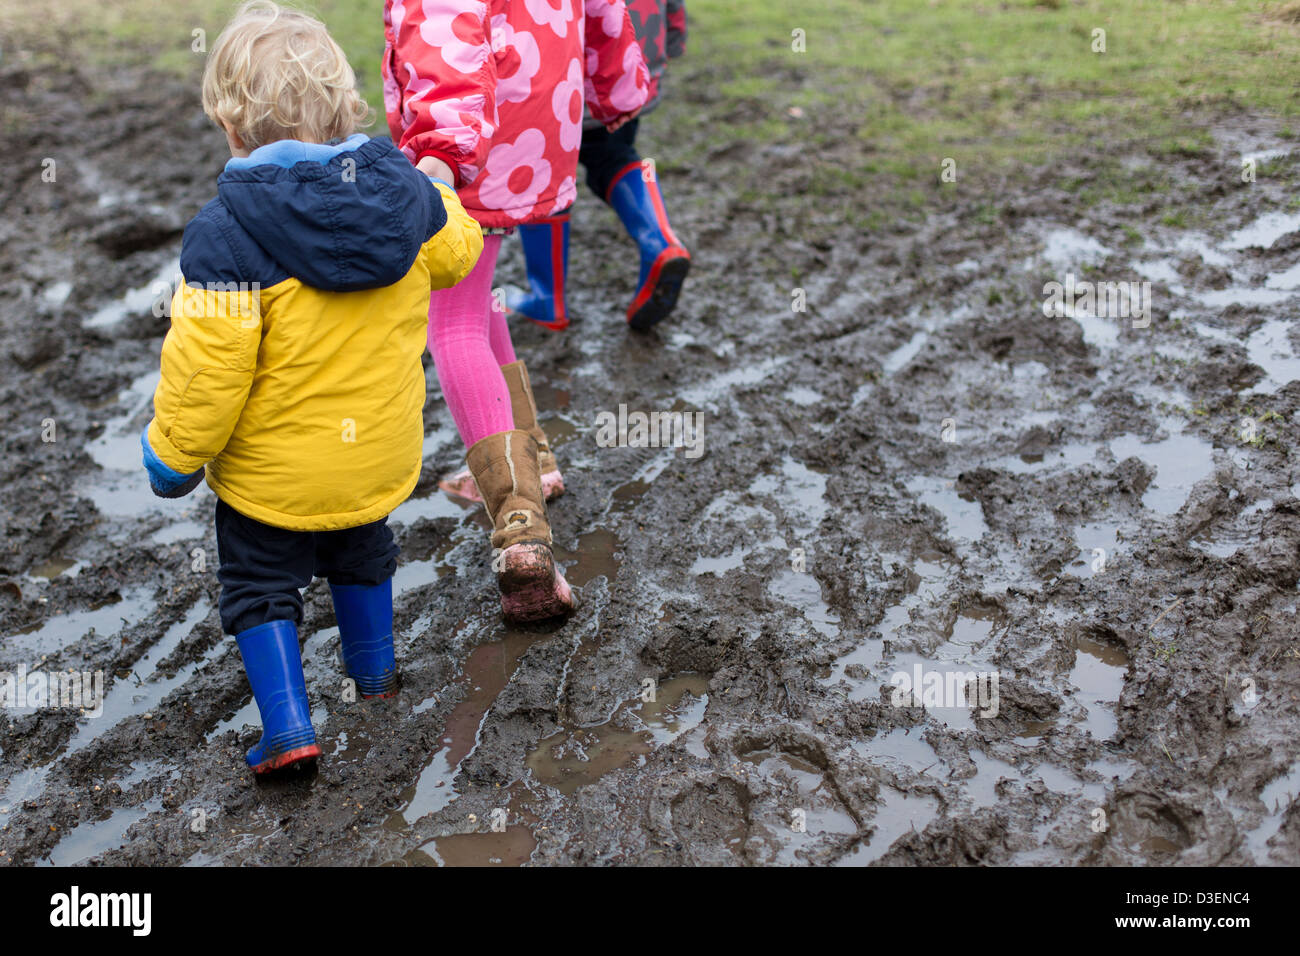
1147	691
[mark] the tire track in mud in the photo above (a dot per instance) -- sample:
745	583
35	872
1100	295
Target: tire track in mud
773	737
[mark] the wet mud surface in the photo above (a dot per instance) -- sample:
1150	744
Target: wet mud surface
723	695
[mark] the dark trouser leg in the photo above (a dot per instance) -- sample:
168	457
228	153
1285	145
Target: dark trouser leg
365	555
262	571
604	154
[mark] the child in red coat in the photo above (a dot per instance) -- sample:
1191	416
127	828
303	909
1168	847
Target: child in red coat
489	97
619	178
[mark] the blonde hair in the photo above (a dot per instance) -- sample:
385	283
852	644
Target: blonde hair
276	73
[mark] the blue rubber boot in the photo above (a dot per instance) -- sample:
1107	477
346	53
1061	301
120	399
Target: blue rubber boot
274	668
365	616
546	257
636	198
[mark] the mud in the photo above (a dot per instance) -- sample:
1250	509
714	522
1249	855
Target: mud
723	695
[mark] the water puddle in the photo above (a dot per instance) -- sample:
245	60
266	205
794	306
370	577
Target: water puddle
1264	231
815	812
136	301
1270	348
1098	674
486	673
963	516
925	584
64	630
897	814
725	383
599	554
898	358
1277	796
87	840
1068	250
578	756
1067	456
1098	545
1181	460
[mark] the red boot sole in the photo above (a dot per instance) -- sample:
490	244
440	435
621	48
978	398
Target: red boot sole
658	297
288	759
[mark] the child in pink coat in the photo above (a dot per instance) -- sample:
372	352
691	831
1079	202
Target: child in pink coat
489	97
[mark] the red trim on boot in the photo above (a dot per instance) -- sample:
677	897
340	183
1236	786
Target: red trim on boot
644	293
558	309
609	190
289	757
661	214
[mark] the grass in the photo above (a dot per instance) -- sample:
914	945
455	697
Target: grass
993	85
990	85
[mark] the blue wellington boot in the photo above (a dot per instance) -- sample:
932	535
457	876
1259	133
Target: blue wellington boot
546	256
365	616
664	260
274	668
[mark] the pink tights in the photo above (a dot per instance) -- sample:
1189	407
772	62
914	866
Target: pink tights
470	341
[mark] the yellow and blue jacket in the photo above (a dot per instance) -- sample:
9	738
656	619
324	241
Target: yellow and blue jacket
292	367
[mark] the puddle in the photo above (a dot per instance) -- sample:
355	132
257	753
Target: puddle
803	591
512	847
64	630
1264	231
898	358
1202	246
87	840
982	789
1181	460
1098	673
576	757
897	815
487	670
1067	456
121	488
725	383
1277	796
1270	348
802	396
800	493
1091	537
962	514
1287	279
820	812
179	531
55	567
905	746
137	301
926	583
599	554
1069	249
721	564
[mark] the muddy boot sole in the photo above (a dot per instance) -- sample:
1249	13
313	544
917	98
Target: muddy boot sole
665	283
299	758
532	587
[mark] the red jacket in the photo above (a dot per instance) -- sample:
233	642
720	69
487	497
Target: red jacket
496	91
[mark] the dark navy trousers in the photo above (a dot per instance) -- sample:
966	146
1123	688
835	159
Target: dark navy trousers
263	569
603	154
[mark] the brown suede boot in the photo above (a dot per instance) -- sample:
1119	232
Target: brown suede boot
524	408
505	468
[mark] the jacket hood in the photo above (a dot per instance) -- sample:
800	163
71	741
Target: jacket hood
337	216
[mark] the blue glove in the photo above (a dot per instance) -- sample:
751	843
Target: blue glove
165	482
